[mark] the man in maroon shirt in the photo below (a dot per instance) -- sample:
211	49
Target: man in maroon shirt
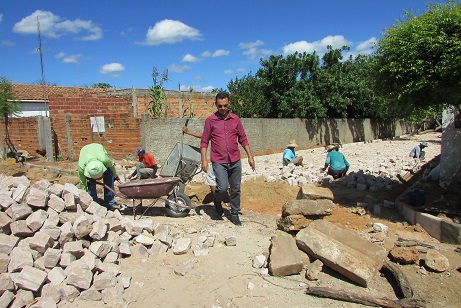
225	131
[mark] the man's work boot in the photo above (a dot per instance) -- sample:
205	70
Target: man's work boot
219	210
235	220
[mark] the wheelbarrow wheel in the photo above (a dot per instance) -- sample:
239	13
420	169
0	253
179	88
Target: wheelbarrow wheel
173	210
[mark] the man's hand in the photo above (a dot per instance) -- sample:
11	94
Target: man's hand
205	166
251	161
185	130
117	178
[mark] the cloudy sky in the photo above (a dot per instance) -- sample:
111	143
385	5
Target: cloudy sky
202	44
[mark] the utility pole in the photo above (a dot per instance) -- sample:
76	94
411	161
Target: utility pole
41	67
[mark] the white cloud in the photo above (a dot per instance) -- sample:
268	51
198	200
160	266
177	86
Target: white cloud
170	31
1	17
68	58
7	43
125	33
178	68
221	52
366	47
190	58
228	72
251	44
112	69
53	26
336	41
251	50
240	69
206	54
206	88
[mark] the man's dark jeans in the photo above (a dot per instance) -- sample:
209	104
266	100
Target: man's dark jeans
108	179
228	175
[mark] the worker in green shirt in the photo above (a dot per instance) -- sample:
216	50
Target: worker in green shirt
95	164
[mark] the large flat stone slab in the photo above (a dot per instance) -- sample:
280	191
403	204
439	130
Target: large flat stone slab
342	250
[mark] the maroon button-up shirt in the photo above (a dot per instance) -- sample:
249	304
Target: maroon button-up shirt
225	135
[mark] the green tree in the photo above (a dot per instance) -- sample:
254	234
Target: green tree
247	97
7	105
418	61
101	85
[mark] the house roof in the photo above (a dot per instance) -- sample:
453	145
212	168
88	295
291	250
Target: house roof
35	92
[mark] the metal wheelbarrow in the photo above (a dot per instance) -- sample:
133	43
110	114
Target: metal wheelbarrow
177	203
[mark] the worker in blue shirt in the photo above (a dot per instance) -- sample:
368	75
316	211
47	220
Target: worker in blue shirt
337	162
289	155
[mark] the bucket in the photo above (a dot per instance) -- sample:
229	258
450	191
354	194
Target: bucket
417	197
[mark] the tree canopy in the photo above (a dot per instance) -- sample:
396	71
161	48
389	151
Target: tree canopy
418	62
7	105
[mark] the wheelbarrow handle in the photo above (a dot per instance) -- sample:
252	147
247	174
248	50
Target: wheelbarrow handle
187	122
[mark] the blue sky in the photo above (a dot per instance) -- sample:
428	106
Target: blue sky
203	44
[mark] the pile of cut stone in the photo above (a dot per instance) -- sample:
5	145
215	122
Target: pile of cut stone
57	244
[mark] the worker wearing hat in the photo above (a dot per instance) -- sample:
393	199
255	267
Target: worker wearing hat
146	167
289	155
336	162
95	164
417	151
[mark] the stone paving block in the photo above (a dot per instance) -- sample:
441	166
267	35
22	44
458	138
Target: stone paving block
342	250
182	246
30	278
99	230
36	220
81	227
20	228
91	295
5	200
66	259
67	234
37	198
69	200
52	257
7	243
5	220
19	258
97	209
19	192
18	211
80	278
74	247
100	248
56	275
313	192
56	203
40	242
69	293
104	280
22	299
42	184
6	283
6	298
56	189
4	260
84	199
52	230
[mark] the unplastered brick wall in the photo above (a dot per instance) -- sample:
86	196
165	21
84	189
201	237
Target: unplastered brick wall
121	134
23	133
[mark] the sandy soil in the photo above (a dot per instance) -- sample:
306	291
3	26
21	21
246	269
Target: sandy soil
225	277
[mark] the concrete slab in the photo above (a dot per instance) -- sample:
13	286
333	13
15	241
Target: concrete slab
342	250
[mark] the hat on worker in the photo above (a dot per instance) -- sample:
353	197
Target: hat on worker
424	144
331	147
94	169
139	150
292	144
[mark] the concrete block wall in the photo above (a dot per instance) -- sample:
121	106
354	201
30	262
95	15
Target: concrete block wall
267	136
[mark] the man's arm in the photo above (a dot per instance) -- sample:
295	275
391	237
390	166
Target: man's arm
194	134
204	160
250	157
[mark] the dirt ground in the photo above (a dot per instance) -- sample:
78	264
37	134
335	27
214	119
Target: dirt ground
225	277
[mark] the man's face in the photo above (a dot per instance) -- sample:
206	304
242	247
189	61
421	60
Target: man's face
222	104
141	154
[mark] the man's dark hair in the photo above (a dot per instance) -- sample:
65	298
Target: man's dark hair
221	95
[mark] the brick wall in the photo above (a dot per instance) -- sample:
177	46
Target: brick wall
23	133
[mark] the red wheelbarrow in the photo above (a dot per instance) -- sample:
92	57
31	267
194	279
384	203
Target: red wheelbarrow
177	203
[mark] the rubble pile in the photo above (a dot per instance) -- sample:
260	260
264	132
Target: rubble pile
57	244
